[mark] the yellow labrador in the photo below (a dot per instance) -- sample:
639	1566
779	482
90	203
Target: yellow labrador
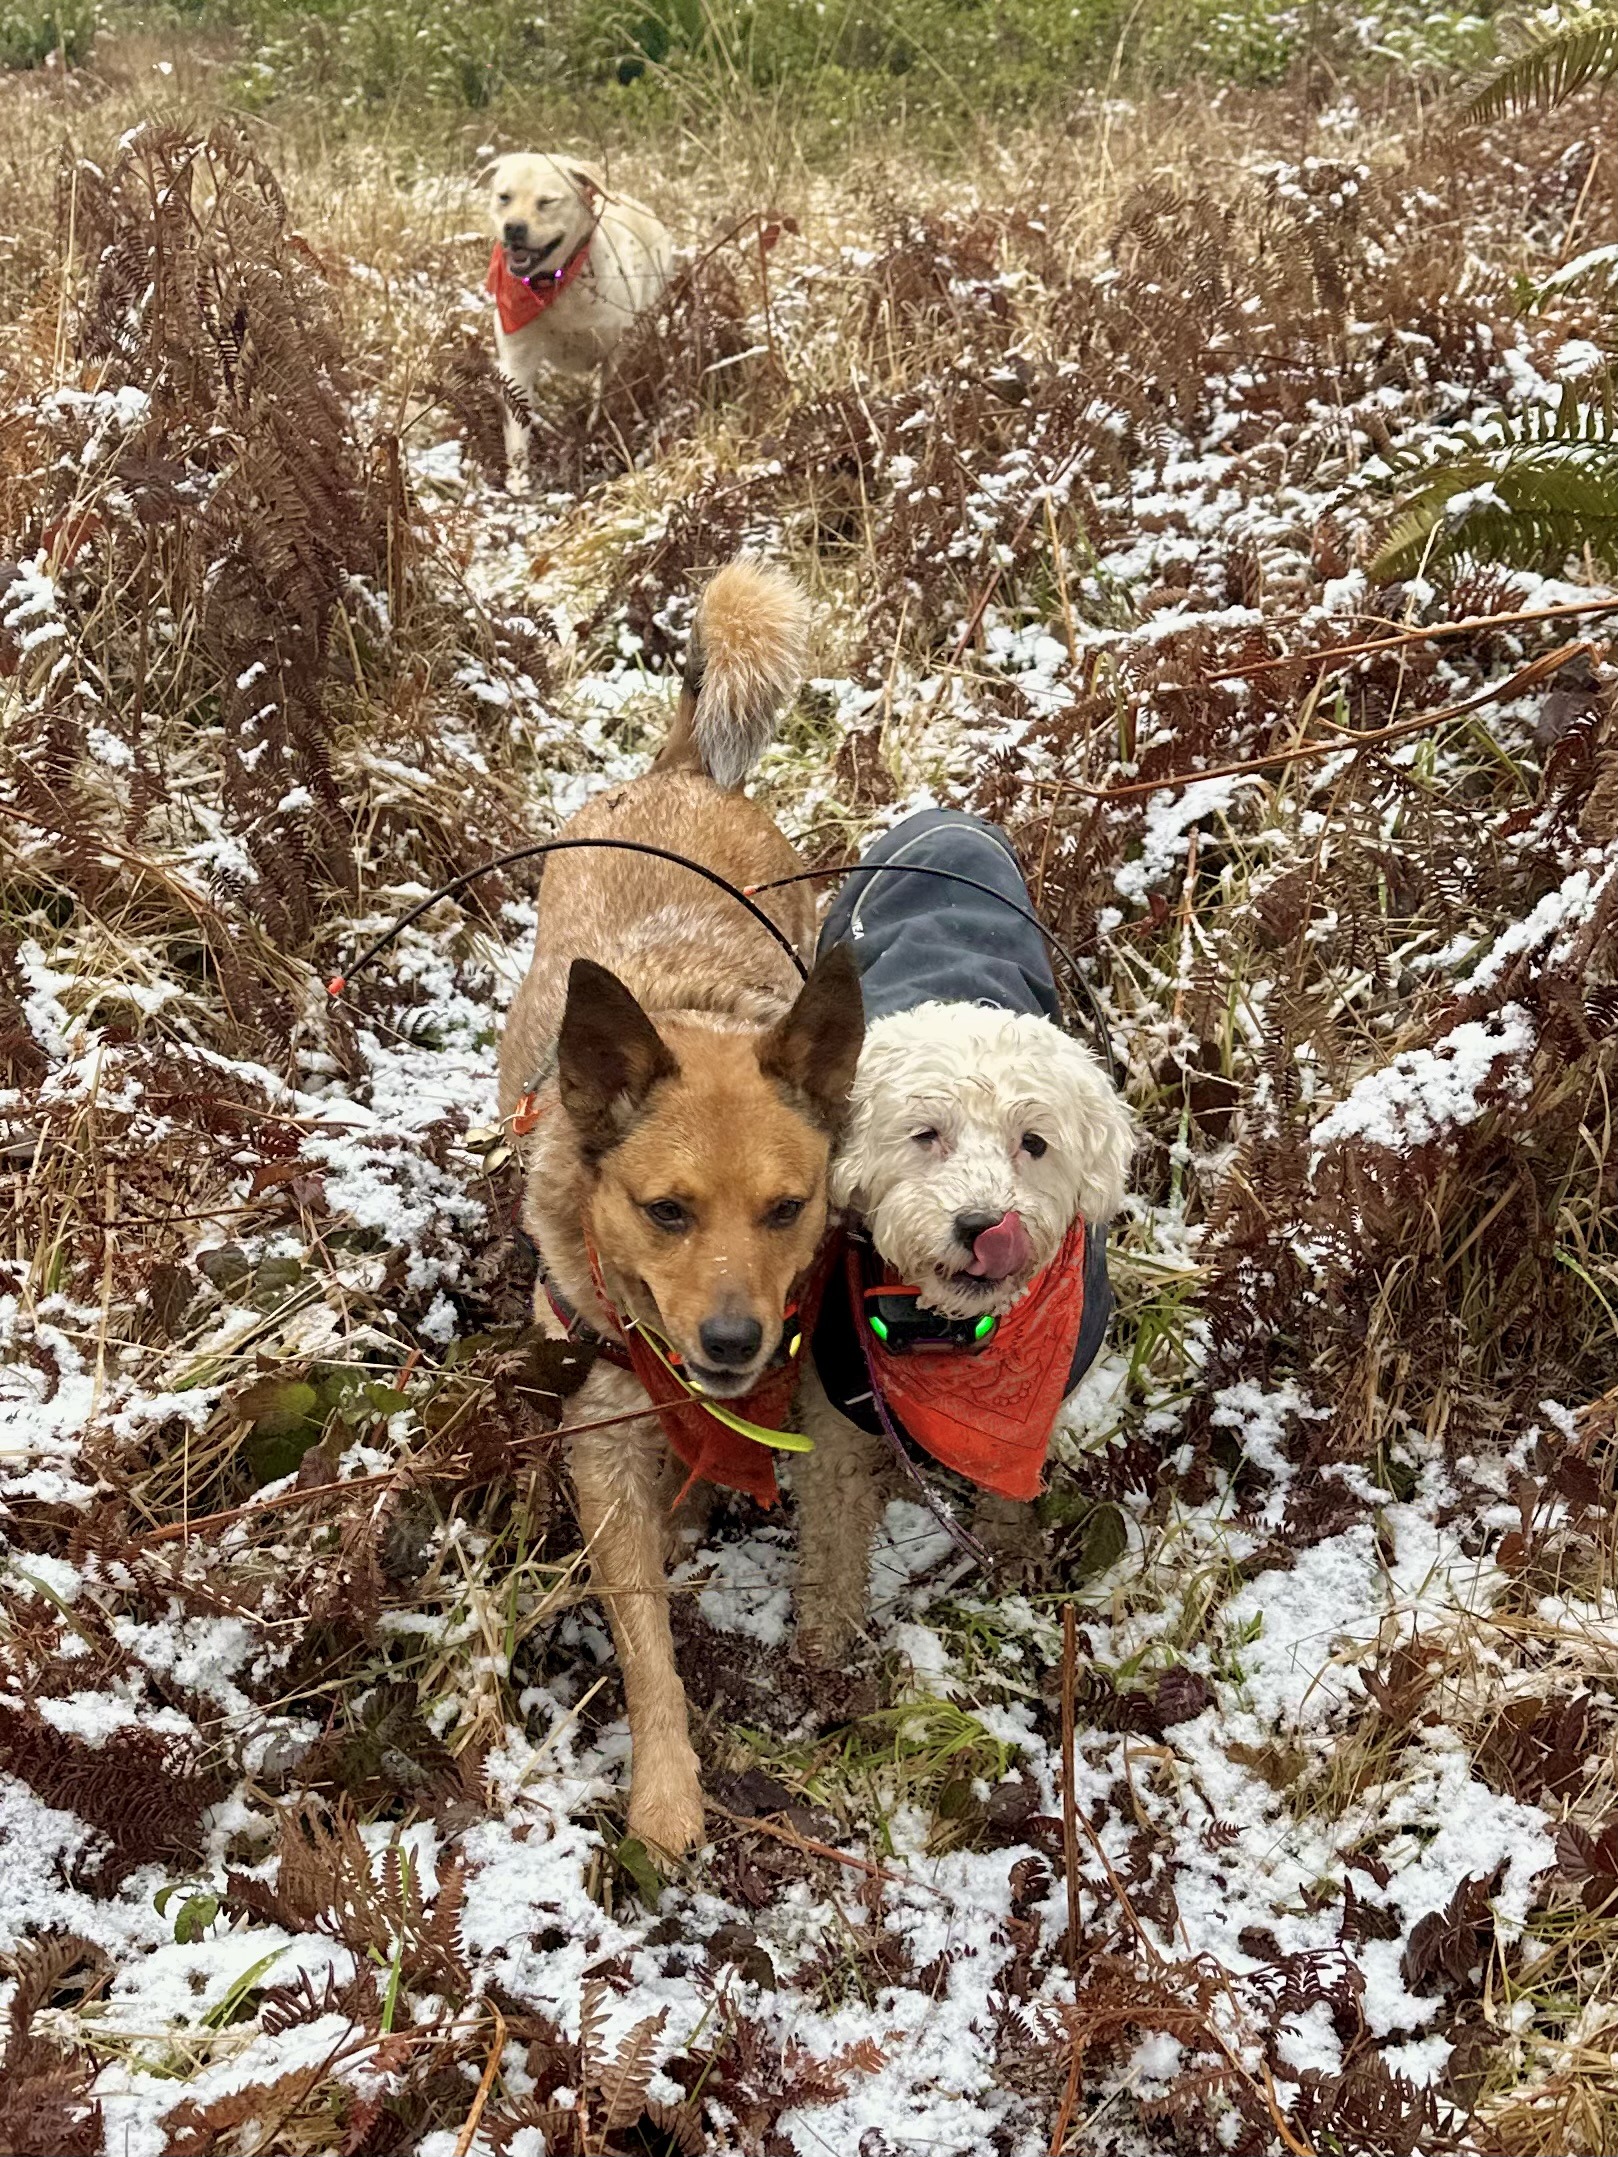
574	264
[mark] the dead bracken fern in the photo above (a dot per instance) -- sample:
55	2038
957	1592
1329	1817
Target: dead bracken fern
326	1882
46	2102
226	557
211	321
290	1601
610	2088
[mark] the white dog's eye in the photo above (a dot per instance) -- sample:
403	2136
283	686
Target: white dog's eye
925	1138
1033	1145
502	200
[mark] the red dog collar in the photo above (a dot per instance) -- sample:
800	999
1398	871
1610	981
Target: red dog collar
521	300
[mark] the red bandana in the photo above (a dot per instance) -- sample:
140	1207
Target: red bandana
989	1416
712	1451
522	300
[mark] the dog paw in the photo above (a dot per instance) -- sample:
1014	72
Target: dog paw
1012	1536
665	1806
825	1640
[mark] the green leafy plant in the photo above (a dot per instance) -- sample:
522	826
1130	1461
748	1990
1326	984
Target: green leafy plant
31	33
1553	67
197	1912
1527	488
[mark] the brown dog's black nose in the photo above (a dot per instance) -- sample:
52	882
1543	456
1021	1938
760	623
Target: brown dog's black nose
514	232
969	1226
730	1343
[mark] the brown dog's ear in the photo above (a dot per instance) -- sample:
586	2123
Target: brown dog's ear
608	1058
815	1047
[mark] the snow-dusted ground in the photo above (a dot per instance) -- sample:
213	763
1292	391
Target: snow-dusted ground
1301	1841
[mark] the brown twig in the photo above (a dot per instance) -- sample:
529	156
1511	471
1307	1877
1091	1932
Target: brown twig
806	1843
1566	247
1470	627
1344	745
1070	1795
764	287
463	2141
1070	2097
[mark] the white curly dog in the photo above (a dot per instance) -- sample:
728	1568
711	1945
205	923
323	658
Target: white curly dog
984	1153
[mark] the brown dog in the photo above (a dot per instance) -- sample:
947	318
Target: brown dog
685	1101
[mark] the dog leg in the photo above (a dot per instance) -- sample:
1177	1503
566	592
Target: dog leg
839	1494
519	473
617	1475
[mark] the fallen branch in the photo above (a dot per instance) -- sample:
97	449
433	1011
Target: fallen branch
1471	626
807	1844
1345	745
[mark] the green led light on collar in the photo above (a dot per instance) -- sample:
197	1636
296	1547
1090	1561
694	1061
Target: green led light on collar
984	1327
878	1327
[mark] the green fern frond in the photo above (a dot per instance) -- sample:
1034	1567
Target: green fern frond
1525	488
1524	506
1584	413
1594	272
1561	62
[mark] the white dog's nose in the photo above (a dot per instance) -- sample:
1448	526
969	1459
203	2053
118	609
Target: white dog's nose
969	1226
1000	1247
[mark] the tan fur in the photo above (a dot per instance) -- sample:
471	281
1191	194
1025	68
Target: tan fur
561	202
748	649
720	1094
841	1489
756	624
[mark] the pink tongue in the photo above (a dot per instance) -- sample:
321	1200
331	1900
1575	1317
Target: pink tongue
1002	1249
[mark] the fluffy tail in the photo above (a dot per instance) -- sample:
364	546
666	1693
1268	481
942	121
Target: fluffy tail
748	646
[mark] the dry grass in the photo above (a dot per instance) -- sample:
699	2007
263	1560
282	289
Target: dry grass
1073	454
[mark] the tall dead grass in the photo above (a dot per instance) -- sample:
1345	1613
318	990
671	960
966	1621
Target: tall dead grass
252	700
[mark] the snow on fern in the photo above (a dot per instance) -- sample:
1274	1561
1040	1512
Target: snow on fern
1425	1094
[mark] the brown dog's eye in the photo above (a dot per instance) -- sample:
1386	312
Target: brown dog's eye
1033	1145
783	1215
667	1213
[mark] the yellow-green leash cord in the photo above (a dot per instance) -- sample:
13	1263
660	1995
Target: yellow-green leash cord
782	1441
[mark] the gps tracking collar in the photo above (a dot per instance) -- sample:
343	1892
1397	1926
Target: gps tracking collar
894	1313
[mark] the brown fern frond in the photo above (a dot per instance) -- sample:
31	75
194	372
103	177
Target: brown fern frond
623	2080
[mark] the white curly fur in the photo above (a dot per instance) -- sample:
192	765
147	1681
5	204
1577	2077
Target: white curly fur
979	1077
